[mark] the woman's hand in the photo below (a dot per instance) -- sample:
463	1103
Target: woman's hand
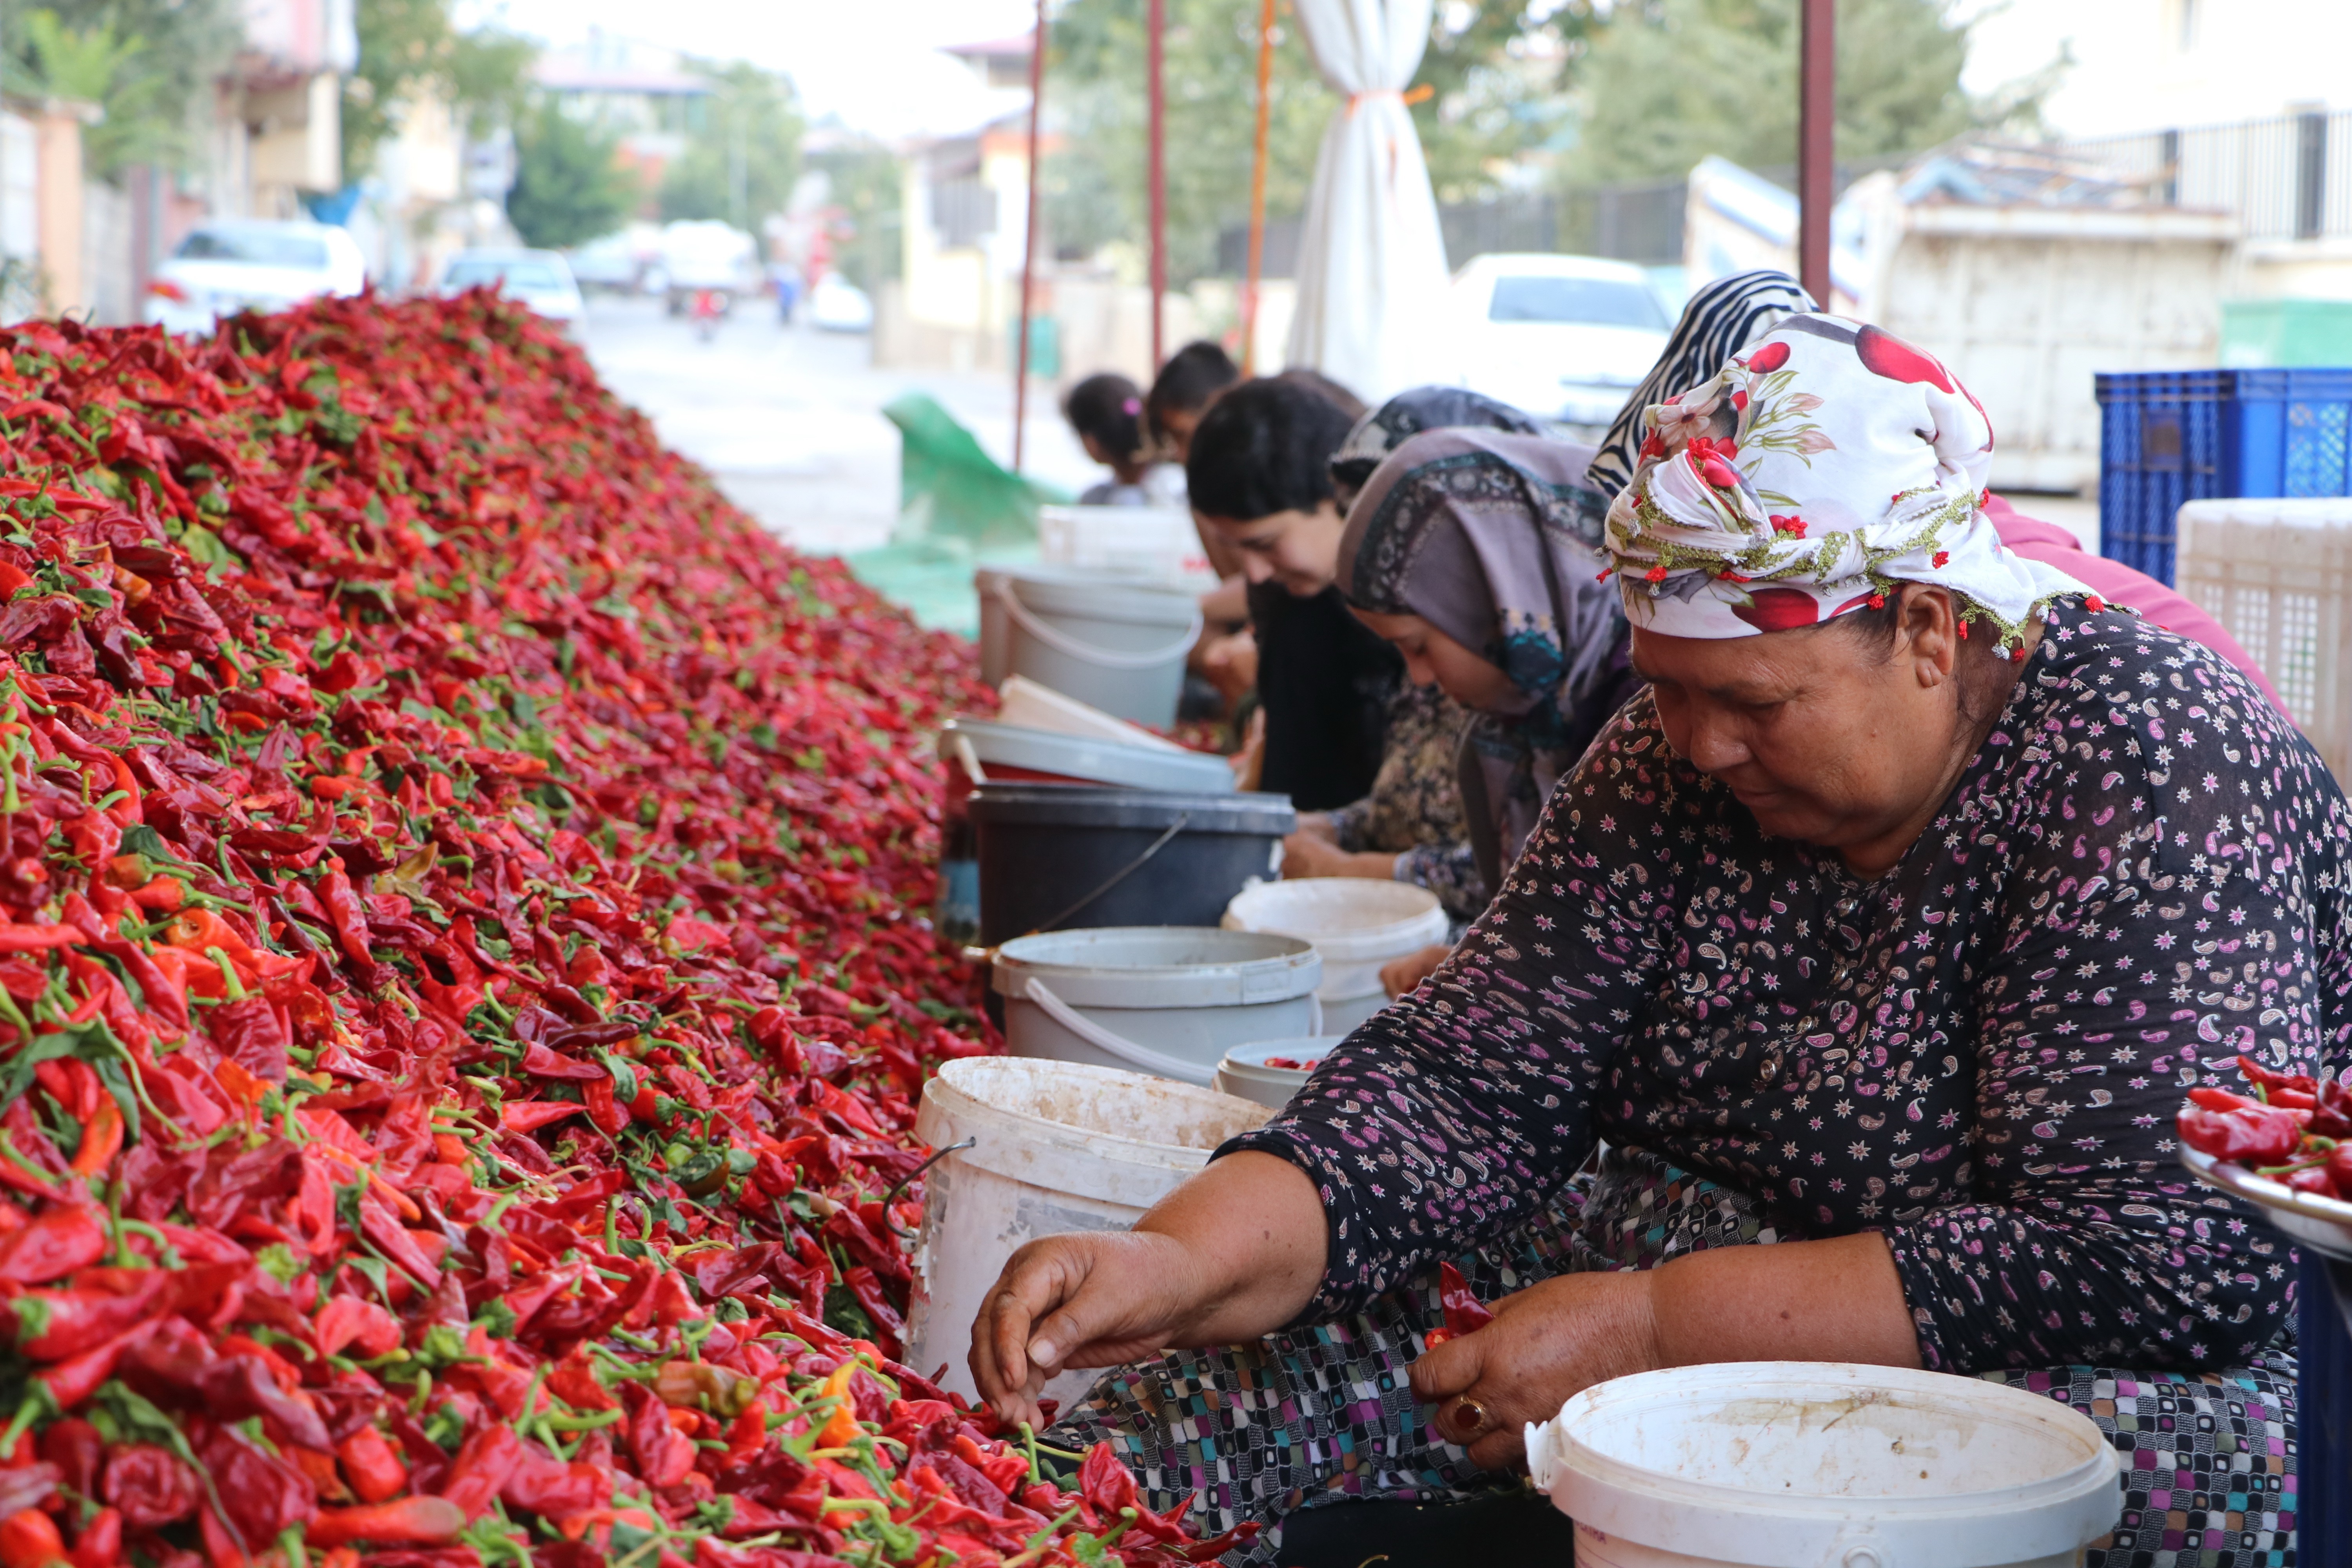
1230	663
1546	1344
1096	1298
1304	855
1400	975
1231	1255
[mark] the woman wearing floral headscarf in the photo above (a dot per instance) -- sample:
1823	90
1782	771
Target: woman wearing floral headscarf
1887	929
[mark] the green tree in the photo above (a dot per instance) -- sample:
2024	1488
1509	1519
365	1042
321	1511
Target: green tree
1496	70
1094	182
1673	81
409	48
740	164
1498	75
568	187
150	64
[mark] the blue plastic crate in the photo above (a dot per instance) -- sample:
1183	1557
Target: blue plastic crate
2173	435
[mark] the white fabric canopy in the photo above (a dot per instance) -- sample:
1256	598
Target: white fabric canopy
1372	262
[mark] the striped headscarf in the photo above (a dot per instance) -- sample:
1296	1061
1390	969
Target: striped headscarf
1720	321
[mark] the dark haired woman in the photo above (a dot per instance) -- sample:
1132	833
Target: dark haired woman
1107	413
1260	479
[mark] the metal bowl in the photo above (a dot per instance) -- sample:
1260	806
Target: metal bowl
2322	1224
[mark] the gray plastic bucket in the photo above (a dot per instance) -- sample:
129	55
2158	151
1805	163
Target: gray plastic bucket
1113	643
974	751
1055	857
1165	1000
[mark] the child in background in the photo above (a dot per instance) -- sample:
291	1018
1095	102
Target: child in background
1107	412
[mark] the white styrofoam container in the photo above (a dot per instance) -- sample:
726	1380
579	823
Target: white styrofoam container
1245	1073
1159	543
2277	574
1056	1147
1823	1465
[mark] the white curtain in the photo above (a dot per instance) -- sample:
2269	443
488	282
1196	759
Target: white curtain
1371	263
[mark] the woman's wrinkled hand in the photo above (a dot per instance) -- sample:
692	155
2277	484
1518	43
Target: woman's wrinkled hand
1546	1344
1095	1299
1400	975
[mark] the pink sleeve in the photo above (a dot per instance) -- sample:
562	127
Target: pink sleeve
2047	543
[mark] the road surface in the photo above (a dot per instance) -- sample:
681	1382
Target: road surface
789	419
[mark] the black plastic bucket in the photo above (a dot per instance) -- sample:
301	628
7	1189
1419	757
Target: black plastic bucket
1062	857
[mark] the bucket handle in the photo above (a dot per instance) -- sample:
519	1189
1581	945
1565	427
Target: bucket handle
1110	659
1102	1039
1115	877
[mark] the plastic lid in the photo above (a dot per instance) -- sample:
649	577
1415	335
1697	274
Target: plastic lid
1084	757
1159	966
1352	919
1090	805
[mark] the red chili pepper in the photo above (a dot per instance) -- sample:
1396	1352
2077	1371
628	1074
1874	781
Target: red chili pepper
150	1485
100	1543
411	1521
372	1466
53	1245
1464	1312
2254	1134
29	1539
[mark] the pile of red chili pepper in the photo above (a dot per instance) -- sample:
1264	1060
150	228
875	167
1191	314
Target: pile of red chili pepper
460	991
2293	1128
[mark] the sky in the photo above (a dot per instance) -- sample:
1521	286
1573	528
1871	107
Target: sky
874	62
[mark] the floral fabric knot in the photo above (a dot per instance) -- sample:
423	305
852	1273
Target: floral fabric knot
1806	479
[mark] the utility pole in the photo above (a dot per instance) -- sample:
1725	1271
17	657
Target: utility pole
1816	146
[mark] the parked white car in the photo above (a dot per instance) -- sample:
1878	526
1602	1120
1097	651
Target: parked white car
837	305
1564	337
223	268
542	279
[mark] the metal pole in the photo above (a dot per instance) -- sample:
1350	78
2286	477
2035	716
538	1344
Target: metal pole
1155	27
1816	146
1029	246
1258	189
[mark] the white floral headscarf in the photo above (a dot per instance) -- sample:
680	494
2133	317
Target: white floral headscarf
1827	463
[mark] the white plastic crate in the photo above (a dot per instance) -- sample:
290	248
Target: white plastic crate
2278	575
1158	543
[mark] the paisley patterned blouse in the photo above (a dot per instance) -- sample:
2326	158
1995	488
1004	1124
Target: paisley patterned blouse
1415	806
2144	871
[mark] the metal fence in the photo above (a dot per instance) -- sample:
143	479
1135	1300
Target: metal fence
2286	178
1632	222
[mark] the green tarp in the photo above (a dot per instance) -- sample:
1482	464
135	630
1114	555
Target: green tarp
957	509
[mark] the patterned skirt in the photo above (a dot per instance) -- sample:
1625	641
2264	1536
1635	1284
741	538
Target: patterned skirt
1324	1414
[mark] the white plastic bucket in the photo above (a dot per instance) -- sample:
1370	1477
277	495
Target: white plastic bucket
1164	1000
1159	542
1245	1072
1056	1148
1823	1465
1357	924
1113	643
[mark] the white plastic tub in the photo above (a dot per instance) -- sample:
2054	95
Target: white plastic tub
1165	1000
1823	1465
1056	1148
1113	643
1357	924
1245	1072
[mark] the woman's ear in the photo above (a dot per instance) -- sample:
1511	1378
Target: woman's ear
1931	631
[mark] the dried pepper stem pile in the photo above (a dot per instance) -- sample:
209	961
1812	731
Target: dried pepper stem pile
459	1006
